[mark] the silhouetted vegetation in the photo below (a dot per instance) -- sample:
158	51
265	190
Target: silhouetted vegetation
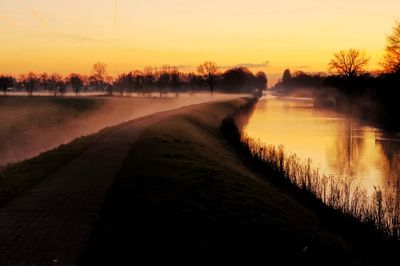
241	79
164	80
391	61
209	72
376	214
372	96
6	82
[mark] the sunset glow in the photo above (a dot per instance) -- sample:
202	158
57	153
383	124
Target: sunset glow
69	36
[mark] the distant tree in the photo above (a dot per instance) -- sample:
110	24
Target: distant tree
148	79
30	82
54	82
109	85
139	80
164	79
6	82
350	63
122	82
99	76
391	63
209	71
76	82
286	77
175	80
238	79
61	86
195	82
45	82
261	80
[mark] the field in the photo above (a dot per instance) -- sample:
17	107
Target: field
32	125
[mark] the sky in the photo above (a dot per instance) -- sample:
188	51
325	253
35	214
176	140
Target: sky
71	35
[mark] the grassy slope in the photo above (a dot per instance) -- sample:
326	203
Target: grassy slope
27	113
183	197
19	178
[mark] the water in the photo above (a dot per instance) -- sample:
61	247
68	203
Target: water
336	143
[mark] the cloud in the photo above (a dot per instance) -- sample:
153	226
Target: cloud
115	15
78	37
35	14
184	66
248	65
301	67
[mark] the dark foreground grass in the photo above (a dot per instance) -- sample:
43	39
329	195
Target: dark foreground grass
19	178
183	197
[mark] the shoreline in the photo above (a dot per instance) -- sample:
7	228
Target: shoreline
185	195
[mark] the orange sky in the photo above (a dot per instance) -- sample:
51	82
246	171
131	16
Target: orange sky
69	36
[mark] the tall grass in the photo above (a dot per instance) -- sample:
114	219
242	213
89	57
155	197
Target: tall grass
381	208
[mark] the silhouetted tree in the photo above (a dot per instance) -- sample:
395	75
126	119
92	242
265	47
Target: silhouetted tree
175	80
286	77
109	85
350	63
262	80
6	82
45	82
391	61
195	82
209	71
76	82
148	79
124	82
164	79
30	82
99	76
54	82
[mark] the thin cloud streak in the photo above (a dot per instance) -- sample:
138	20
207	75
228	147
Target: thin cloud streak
115	15
247	65
34	13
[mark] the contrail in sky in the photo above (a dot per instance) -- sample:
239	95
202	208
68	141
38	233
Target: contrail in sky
115	15
34	13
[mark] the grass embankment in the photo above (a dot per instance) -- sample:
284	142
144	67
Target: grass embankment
26	113
21	114
19	178
183	196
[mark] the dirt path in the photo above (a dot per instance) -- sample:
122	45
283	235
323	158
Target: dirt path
51	224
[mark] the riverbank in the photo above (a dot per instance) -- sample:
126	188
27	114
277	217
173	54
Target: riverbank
167	189
184	196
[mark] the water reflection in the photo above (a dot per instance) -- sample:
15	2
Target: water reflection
337	144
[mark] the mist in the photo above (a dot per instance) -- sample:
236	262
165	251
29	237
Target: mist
21	140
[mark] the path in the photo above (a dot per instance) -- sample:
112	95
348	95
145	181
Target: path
51	224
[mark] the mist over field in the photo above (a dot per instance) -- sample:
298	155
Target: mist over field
32	126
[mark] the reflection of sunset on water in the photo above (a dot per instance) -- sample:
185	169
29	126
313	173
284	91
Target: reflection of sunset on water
338	145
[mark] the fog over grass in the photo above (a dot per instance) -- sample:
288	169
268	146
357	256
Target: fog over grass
30	126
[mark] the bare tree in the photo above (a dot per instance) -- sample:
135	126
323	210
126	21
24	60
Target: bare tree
209	71
53	82
350	63
100	75
176	80
6	82
391	62
30	82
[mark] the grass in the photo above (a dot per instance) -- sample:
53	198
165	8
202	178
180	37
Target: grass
183	196
27	113
19	178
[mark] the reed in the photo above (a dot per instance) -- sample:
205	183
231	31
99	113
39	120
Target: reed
381	208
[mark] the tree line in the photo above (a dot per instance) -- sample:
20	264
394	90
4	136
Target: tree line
167	79
374	94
